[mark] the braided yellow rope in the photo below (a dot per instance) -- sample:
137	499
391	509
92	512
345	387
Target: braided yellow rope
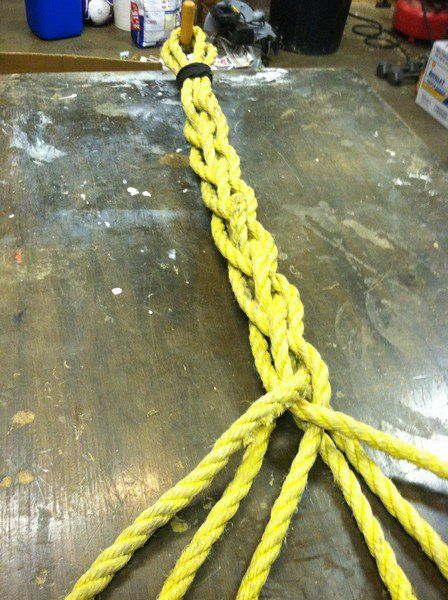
295	377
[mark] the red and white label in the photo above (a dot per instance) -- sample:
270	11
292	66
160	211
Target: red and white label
135	21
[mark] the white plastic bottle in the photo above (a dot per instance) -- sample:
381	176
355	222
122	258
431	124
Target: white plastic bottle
122	14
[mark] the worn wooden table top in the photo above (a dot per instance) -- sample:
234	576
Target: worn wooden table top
124	354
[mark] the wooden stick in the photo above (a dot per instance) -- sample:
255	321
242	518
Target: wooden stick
187	22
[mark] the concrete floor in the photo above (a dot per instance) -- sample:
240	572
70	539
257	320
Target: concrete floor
353	53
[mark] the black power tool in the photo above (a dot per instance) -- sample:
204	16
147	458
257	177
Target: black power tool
238	24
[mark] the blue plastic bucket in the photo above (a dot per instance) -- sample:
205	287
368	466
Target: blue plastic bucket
54	19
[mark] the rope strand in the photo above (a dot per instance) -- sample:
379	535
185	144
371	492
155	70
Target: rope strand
295	377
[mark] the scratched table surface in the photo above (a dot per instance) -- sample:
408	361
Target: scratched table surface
124	354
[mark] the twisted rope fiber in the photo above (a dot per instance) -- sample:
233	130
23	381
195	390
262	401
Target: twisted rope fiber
295	377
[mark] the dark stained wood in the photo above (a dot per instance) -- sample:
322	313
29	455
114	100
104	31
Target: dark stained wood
129	391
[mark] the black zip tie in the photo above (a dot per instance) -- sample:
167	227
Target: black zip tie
193	70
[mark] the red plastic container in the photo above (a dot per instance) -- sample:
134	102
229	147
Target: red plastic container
410	20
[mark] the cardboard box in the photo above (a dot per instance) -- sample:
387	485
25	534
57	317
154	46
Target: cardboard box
432	92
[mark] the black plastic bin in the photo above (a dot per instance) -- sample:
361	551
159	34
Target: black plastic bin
310	26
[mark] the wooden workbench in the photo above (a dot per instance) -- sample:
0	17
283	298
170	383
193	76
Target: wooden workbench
124	355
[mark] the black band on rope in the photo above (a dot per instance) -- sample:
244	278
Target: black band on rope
193	70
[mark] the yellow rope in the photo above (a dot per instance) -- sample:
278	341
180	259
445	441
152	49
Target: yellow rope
295	377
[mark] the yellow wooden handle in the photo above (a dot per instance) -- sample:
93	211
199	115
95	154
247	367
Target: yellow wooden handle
187	22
